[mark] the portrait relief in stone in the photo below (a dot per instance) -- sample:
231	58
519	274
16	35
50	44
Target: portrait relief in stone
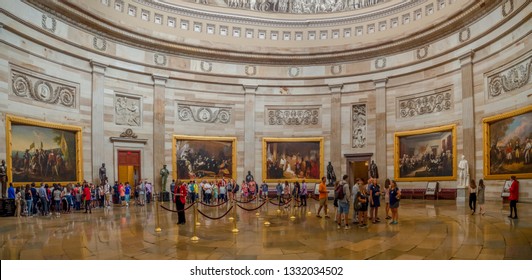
127	110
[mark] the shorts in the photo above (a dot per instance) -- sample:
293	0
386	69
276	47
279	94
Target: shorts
323	201
376	202
395	205
343	207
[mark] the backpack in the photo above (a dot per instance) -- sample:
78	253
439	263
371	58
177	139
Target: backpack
340	192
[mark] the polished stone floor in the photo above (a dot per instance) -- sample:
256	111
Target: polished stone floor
427	229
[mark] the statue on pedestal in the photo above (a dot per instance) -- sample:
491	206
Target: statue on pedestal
249	177
3	177
373	170
463	172
164	176
331	177
103	174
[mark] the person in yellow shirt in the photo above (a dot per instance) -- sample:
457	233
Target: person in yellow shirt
323	196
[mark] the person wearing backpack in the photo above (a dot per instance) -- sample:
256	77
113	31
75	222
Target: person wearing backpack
342	194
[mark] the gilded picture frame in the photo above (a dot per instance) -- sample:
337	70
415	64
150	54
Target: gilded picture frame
508	145
292	159
425	154
203	157
39	151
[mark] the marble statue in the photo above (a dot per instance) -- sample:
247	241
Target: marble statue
463	172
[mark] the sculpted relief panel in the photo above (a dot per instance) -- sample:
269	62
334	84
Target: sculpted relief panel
203	114
423	104
282	116
127	110
43	88
359	125
509	79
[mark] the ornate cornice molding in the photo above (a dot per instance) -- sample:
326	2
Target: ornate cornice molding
65	11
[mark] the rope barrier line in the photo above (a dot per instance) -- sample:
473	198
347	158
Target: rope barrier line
284	203
251	209
202	203
175	211
209	217
255	197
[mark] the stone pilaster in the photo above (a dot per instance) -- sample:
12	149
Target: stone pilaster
380	128
97	119
336	129
249	131
159	135
468	118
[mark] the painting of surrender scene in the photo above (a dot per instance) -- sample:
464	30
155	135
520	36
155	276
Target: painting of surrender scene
43	152
426	154
198	157
292	159
508	147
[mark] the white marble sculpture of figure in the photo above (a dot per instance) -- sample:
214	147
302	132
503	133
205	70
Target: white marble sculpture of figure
463	172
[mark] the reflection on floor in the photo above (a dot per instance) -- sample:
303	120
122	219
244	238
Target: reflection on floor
426	230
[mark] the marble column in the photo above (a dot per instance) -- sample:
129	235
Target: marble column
97	119
380	128
159	135
336	130
249	132
468	118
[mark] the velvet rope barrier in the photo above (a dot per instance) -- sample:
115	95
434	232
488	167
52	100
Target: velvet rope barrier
251	209
202	203
208	217
175	211
255	197
284	203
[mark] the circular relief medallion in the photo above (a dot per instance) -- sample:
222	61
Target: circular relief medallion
43	91
204	115
336	69
293	71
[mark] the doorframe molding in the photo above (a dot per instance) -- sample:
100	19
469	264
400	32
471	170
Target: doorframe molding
356	157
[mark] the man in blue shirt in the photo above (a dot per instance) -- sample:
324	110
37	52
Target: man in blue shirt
11	191
279	189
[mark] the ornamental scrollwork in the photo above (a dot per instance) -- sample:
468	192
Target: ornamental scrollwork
510	79
43	90
203	114
427	104
293	116
359	125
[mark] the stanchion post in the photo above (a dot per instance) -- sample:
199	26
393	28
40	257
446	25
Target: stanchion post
157	227
292	217
235	230
195	237
266	223
196	220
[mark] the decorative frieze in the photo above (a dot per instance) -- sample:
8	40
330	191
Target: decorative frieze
43	88
509	79
359	118
127	110
293	116
203	114
438	101
99	43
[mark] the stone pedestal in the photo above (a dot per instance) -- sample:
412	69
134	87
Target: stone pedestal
460	195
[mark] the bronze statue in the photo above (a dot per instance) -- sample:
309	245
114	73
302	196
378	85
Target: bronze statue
373	170
103	174
331	177
164	176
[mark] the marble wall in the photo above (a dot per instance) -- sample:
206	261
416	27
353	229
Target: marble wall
117	87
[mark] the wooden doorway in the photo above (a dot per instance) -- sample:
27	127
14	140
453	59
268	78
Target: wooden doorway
357	166
129	167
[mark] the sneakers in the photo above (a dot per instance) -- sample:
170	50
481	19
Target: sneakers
346	227
393	223
338	226
318	216
388	217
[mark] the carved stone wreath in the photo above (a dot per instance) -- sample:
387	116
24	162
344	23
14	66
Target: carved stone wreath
44	23
464	34
293	116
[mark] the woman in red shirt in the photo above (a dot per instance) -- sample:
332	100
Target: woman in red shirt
180	200
87	198
514	197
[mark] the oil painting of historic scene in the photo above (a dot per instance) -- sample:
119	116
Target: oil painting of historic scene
204	157
43	154
292	159
425	155
509	148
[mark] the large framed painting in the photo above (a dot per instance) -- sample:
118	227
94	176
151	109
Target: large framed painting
508	145
201	157
40	151
425	154
292	159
